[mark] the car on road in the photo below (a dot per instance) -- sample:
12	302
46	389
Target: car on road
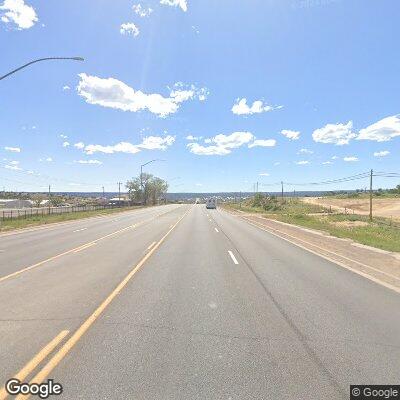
211	203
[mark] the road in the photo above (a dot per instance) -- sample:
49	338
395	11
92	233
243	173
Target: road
180	302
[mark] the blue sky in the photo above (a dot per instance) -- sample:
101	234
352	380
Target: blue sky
227	92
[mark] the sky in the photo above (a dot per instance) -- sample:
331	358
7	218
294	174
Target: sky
226	93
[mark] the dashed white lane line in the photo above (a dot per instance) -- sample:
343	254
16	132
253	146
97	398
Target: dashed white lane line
151	245
80	230
216	230
233	257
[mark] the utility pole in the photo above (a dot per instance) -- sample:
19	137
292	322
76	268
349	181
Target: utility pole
49	197
370	195
103	192
282	190
119	193
240	201
257	187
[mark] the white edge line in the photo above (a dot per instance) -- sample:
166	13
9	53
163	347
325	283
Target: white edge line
233	257
363	274
216	230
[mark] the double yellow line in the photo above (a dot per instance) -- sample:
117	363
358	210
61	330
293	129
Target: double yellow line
79	248
70	343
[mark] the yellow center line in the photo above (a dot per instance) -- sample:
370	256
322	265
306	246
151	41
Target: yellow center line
85	247
79	248
70	343
32	364
151	245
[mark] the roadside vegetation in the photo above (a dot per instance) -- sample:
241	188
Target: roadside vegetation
19	223
364	194
146	188
380	233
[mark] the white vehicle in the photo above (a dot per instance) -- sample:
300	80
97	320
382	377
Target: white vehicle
211	203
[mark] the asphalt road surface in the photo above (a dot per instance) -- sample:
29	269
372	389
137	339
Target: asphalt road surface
180	302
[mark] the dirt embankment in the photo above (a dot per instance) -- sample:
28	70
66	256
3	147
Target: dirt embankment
386	207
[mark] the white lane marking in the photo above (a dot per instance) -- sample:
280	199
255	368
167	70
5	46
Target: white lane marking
365	275
171	225
151	245
233	257
216	230
80	230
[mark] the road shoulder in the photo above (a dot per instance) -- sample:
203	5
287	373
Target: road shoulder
380	266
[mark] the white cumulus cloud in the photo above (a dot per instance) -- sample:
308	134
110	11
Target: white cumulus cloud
12	149
93	162
338	134
263	143
79	145
65	144
242	108
305	151
115	94
148	143
381	131
129	28
382	153
223	144
17	13
193	138
175	3
302	162
350	159
264	174
292	135
142	11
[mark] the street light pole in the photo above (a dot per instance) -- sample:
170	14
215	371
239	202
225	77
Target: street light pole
141	176
39	60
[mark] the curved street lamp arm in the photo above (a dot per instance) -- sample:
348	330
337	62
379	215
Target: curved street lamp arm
41	59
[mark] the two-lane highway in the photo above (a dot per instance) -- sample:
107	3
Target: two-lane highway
196	304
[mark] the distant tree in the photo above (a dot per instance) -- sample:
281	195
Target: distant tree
147	188
56	201
37	199
135	192
158	187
